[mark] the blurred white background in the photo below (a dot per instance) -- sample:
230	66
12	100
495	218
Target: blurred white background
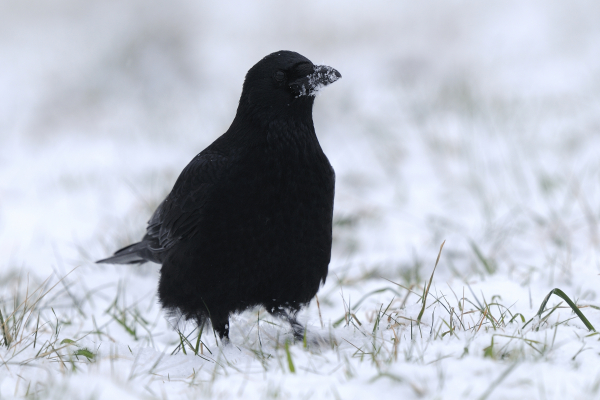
474	122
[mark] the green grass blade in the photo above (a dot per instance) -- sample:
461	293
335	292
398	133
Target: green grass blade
289	358
4	329
85	353
566	298
575	309
429	284
489	267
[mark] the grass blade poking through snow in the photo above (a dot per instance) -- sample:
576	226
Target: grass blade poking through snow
426	290
487	264
4	331
289	358
566	298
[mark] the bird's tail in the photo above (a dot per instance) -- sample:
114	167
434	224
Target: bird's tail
127	255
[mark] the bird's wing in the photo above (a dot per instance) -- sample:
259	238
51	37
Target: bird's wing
179	215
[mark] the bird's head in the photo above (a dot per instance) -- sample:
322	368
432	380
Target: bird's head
285	80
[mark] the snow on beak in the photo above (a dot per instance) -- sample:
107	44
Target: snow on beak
310	85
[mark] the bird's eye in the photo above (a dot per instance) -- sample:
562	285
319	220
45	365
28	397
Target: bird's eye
279	76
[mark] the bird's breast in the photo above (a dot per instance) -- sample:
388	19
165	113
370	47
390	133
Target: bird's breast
280	188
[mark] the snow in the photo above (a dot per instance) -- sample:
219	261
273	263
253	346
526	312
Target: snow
469	122
322	77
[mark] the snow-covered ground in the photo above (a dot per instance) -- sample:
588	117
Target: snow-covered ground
477	123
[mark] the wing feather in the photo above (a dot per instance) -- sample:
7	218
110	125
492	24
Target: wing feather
180	214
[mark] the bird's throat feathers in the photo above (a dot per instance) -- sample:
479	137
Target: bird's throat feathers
287	138
261	108
292	120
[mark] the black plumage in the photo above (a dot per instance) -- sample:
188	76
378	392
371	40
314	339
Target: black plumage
248	222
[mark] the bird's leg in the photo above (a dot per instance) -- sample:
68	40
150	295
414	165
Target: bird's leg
221	326
297	328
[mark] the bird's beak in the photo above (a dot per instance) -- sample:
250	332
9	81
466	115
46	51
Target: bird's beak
310	85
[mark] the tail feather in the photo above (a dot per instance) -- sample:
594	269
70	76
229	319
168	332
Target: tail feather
127	255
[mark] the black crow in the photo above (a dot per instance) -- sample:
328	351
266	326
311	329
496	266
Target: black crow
249	219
